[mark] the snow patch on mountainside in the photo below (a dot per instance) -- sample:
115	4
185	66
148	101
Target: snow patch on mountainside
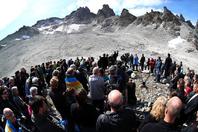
175	43
23	37
73	28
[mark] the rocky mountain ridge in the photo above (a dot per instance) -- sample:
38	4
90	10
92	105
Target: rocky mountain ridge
107	21
106	18
23	33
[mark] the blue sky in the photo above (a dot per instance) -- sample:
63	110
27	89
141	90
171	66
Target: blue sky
16	13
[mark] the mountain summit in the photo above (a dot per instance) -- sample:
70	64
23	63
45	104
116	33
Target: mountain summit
81	16
105	12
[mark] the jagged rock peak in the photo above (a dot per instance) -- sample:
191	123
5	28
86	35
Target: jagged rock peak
166	10
168	16
181	18
153	17
125	13
190	24
126	18
106	11
81	15
81	11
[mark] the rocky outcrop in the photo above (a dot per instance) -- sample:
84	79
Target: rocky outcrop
190	24
165	19
80	16
103	13
48	22
126	18
149	18
123	20
181	17
168	16
22	33
26	30
155	17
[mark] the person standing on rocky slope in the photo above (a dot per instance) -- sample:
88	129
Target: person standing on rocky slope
135	62
142	60
167	66
158	66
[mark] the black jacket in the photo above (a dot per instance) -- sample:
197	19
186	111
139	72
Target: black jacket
84	116
121	121
47	123
60	103
162	126
190	108
149	119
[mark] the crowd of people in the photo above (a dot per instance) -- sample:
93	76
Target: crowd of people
89	95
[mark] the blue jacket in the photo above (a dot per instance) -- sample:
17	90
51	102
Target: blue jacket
135	60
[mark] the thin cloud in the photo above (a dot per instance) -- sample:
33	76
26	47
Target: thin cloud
138	11
137	7
42	8
10	10
134	3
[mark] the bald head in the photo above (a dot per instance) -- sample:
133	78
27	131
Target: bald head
115	99
173	108
95	70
